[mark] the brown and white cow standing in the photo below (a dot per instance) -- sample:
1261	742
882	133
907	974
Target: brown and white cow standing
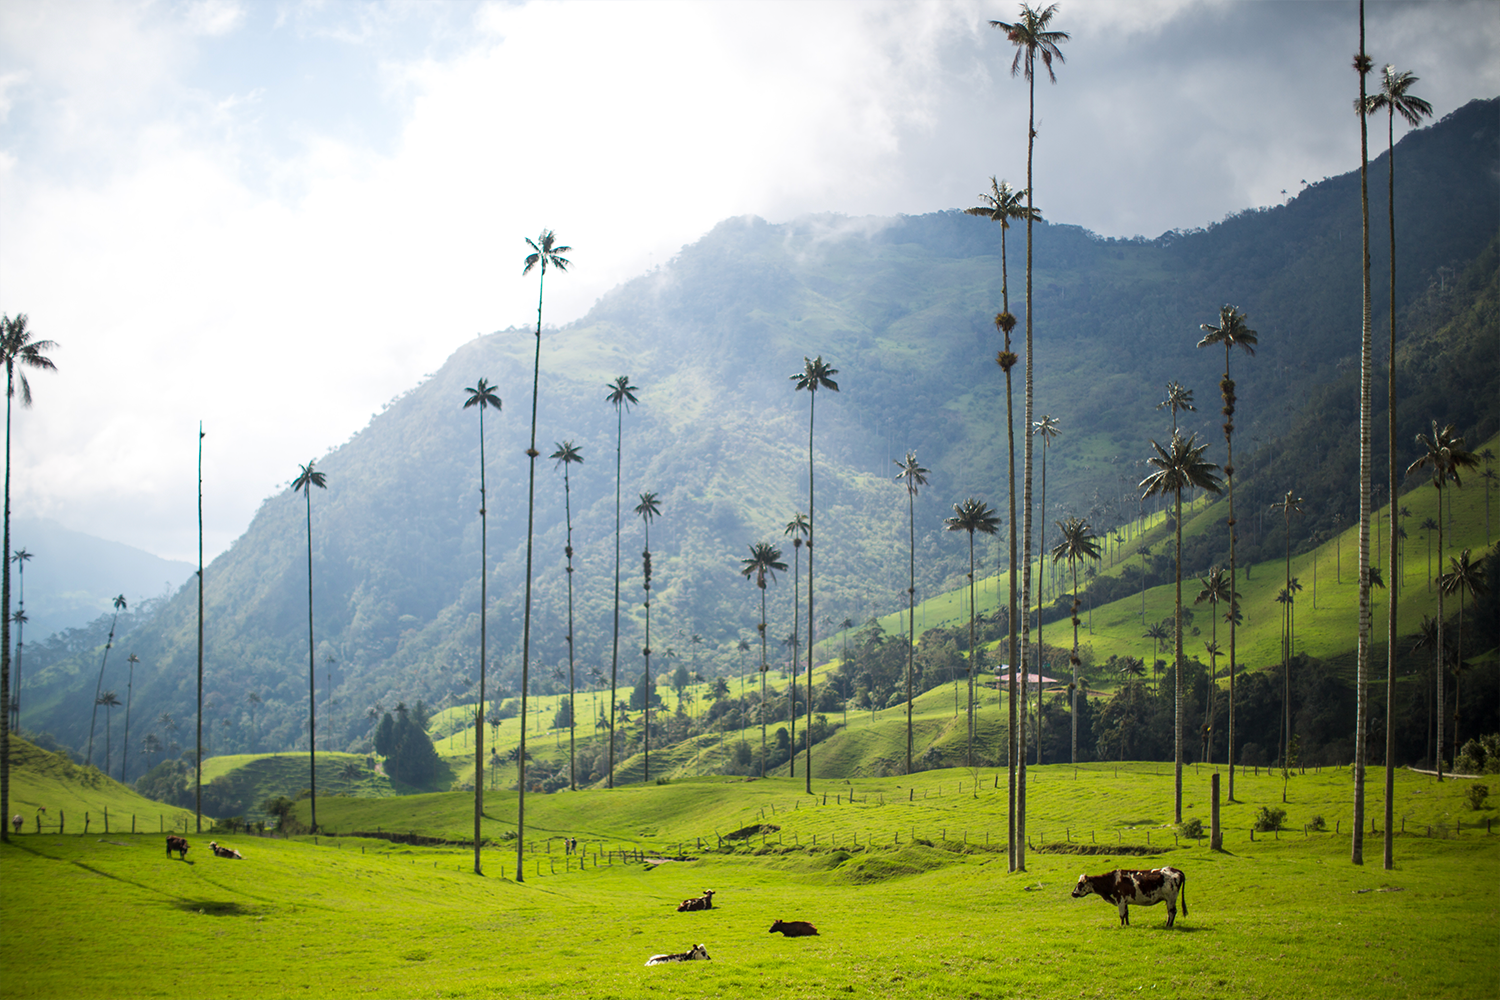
1143	888
178	844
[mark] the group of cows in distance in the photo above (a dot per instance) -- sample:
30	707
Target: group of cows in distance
1123	887
181	846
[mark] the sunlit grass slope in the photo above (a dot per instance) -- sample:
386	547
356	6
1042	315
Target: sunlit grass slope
908	899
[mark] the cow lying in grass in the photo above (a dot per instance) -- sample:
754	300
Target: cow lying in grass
224	852
686	956
703	902
794	928
1143	888
178	844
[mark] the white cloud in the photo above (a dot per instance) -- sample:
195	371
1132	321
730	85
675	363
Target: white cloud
275	219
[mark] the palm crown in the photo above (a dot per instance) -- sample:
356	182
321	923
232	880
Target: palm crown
1031	38
308	477
764	562
546	253
621	392
1003	202
20	352
481	395
912	472
1180	466
1394	99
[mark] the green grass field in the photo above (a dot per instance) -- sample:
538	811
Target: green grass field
905	877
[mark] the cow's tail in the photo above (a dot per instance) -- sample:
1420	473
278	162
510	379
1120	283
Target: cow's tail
1183	894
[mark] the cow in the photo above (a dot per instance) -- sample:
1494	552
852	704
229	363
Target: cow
703	902
16	822
1143	888
698	952
178	844
225	852
794	928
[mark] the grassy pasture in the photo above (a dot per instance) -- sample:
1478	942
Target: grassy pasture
934	916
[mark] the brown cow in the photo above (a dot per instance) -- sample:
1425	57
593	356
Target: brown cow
794	928
703	902
1143	888
178	844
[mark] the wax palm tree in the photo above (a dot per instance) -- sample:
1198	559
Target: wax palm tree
307	477
915	476
1464	578
1289	506
132	659
481	395
99	683
1078	542
19	353
1046	429
1215	591
545	253
1179	467
1179	399
567	454
972	515
648	509
110	700
1158	633
254	701
22	557
1362	66
1002	204
1394	97
622	396
764	563
797	528
1232	331
815	375
1032	36
1445	458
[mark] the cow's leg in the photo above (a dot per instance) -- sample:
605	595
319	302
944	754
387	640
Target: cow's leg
1171	911
1124	914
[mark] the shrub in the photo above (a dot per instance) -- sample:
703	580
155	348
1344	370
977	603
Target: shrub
1477	794
1191	828
1317	823
1269	818
1481	756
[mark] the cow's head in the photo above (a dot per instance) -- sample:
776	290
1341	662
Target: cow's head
1083	888
698	952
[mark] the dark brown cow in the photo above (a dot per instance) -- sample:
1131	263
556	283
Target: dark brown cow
794	928
703	902
1143	888
178	844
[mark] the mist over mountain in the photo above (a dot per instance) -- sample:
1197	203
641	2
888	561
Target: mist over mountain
903	308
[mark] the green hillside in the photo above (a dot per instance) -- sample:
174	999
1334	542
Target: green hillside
903	308
905	878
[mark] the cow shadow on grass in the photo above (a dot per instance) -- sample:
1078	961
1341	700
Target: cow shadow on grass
216	908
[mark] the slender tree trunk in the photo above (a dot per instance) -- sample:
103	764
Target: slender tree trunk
198	767
1041	646
312	704
572	711
763	668
1013	748
1073	701
614	656
1026	499
1391	624
5	630
807	729
911	615
484	604
1357	845
796	641
1227	387
531	454
969	706
1177	680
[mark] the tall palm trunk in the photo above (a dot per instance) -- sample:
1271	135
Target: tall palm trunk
1389	858
1357	847
5	629
614	656
1041	647
312	703
1177	679
762	678
796	642
531	453
198	766
484	604
572	710
1020	838
1227	387
807	729
911	615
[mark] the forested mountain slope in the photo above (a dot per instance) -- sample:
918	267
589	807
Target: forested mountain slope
903	308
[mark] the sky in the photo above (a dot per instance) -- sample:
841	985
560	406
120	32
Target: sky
274	216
